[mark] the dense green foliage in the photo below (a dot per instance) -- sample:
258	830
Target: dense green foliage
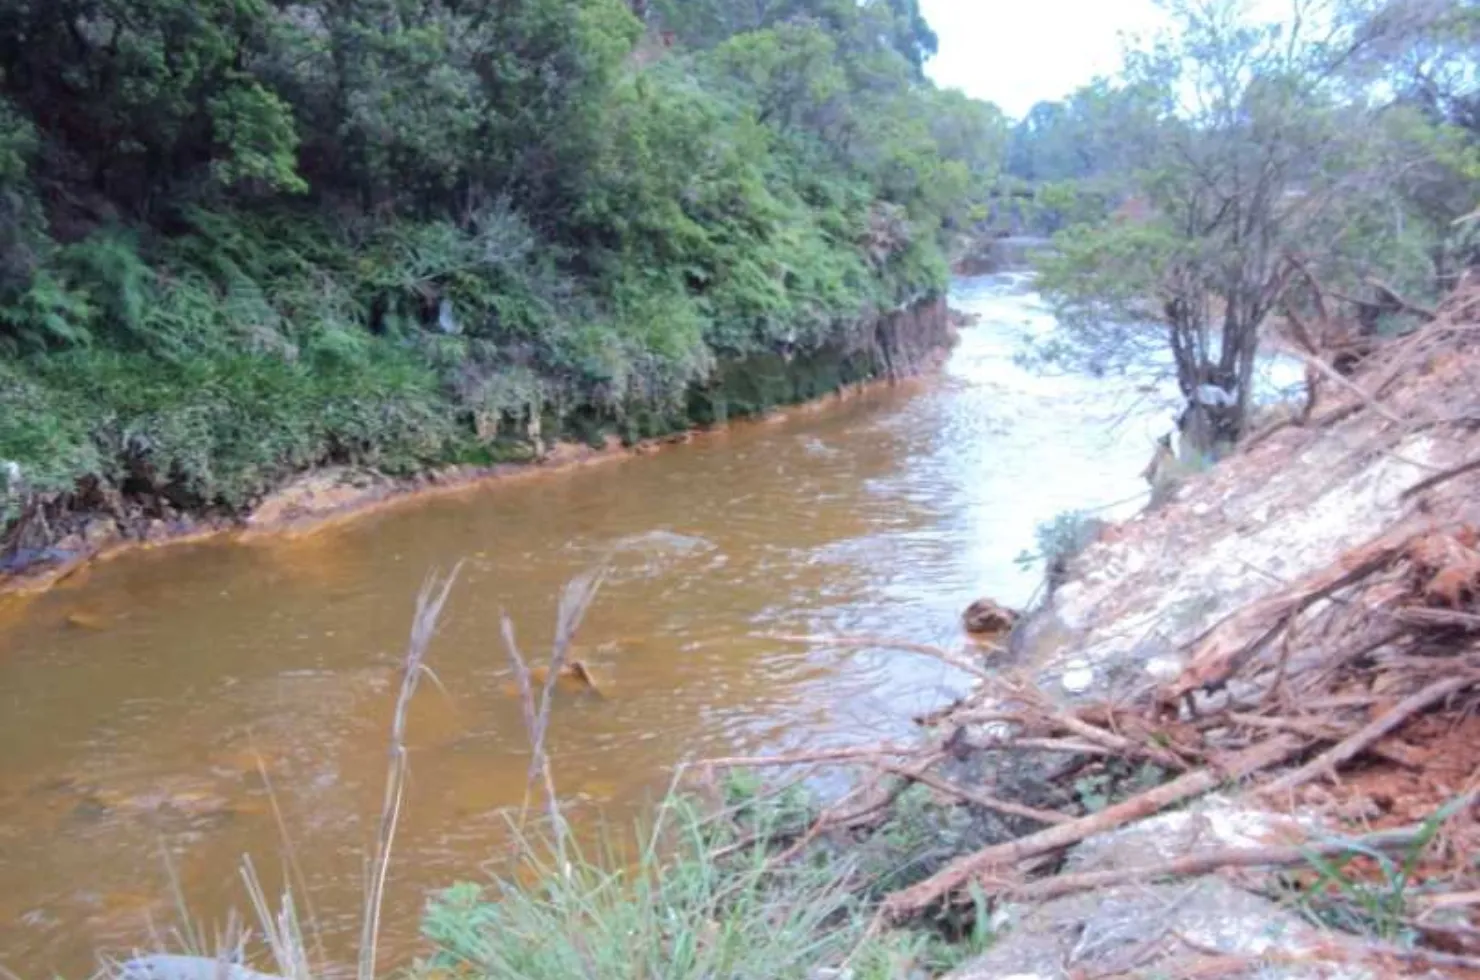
1239	172
243	237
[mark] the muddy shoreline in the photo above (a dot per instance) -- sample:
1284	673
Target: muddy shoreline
331	495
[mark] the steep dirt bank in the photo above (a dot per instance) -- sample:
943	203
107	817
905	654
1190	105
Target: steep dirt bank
1306	609
55	537
1238	740
1296	627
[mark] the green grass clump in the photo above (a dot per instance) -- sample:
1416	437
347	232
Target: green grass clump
669	904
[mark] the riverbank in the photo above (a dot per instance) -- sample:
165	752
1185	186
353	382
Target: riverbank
1146	761
1237	740
155	680
54	539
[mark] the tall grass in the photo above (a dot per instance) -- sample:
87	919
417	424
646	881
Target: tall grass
575	601
429	605
666	907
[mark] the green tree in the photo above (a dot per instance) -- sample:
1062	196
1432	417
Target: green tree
149	96
1257	157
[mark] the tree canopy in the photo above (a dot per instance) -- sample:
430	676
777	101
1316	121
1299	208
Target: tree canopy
264	234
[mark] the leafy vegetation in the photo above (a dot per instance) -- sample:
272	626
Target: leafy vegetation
1237	170
239	238
1059	541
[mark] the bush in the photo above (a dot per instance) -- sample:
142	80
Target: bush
1060	541
264	238
218	429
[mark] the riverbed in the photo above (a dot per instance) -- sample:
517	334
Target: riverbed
162	710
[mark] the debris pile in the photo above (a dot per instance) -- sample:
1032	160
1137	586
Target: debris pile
1295	637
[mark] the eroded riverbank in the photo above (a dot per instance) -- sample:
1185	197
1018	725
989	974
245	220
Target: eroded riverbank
140	696
57	535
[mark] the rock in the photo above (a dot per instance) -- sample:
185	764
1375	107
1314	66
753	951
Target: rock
156	531
1212	824
1078	678
1144	930
987	616
317	494
101	532
1141	928
70	545
162	966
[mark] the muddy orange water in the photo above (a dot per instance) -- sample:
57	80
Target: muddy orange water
138	698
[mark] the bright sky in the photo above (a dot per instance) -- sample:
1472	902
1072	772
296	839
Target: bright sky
1018	52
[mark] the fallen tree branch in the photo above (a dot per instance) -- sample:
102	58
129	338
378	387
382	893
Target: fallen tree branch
1428	618
1390	750
1210	861
1373	954
960	872
861	753
864	814
1330	372
882	643
980	799
1429	482
1060	745
1217	656
1390	295
1117	743
1357	743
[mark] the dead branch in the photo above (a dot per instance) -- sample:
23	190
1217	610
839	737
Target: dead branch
1117	743
1375	953
882	643
1341	380
1218	655
1209	861
1390	296
954	876
868	813
862	753
1356	744
979	799
1450	900
1437	618
1429	482
1060	745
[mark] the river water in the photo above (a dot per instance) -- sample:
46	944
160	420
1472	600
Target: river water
139	698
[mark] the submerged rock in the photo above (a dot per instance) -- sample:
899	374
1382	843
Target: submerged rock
988	616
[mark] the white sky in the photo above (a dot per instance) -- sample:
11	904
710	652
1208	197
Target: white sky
1018	52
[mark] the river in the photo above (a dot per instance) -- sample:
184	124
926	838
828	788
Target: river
139	698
